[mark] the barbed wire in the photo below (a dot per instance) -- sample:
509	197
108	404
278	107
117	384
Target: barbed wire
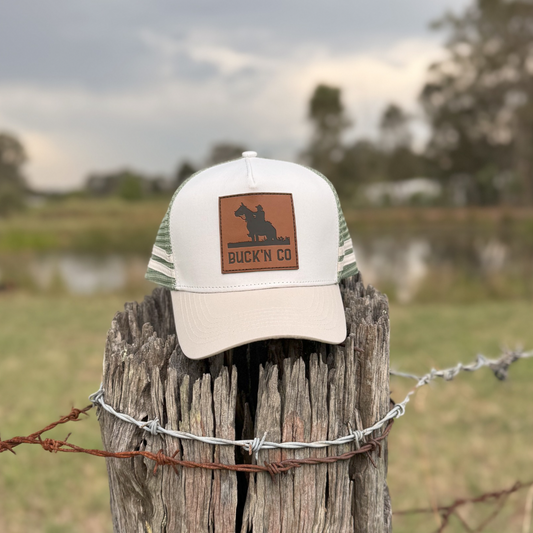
162	459
250	445
35	438
447	511
499	366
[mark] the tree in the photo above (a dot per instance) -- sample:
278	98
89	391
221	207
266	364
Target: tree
401	162
328	117
131	186
479	99
125	183
185	171
363	163
394	128
12	183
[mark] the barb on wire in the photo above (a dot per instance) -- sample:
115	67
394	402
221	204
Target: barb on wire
73	416
499	366
447	511
162	459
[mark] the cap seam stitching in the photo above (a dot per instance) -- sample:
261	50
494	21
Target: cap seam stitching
329	281
251	177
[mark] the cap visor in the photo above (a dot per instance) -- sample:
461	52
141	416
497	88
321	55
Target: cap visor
209	323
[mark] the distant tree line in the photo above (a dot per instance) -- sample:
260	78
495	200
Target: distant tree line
352	166
126	184
134	185
13	188
477	101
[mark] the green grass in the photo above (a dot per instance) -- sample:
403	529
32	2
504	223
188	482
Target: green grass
456	439
51	359
85	225
469	436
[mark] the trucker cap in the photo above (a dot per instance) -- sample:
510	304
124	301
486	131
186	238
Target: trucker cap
253	249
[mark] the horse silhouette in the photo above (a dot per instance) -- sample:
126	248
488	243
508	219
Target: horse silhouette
257	226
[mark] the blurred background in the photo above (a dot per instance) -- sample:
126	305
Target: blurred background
420	113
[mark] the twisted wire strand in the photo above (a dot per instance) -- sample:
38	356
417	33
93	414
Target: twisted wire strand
499	366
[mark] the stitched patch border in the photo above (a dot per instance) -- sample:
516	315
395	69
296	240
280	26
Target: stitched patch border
260	240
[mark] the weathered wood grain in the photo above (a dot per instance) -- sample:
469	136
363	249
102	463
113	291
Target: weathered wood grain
262	510
287	388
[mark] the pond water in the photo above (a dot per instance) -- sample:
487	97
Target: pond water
458	264
406	267
75	273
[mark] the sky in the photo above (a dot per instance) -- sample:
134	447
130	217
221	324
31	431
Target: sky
98	85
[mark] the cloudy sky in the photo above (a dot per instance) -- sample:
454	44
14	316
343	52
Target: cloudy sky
95	85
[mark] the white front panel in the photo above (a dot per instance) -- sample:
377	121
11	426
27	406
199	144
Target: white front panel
195	231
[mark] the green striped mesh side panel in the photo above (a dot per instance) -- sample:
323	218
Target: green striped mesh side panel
161	266
346	265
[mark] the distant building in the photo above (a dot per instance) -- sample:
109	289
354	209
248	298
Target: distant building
405	192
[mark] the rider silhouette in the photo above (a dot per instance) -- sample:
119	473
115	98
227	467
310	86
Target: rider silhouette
259	214
257	226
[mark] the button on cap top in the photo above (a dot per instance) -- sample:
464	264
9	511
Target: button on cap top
249	154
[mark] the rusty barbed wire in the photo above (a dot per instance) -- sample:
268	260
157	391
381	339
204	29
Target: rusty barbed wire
447	511
162	459
35	438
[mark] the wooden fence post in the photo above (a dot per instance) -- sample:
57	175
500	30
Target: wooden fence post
292	389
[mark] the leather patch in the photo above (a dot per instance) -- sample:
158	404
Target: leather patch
257	232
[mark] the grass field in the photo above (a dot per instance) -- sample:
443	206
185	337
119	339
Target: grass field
457	439
88	225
